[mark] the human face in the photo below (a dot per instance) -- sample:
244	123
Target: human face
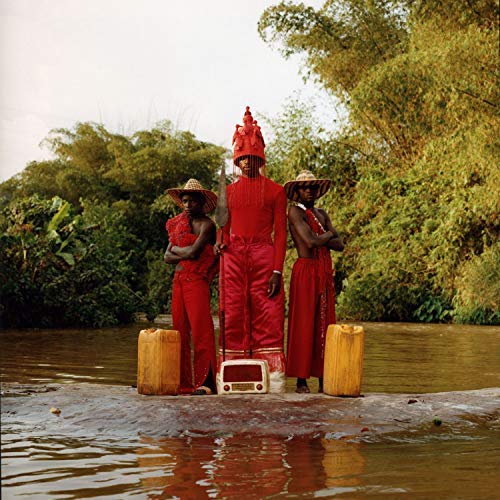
307	194
248	168
193	204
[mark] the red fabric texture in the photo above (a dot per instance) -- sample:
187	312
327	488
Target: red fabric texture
248	139
180	234
191	314
253	322
257	212
256	237
311	309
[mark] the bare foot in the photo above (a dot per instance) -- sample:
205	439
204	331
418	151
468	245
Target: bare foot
203	390
302	389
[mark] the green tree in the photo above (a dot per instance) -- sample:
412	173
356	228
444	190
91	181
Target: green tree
62	269
417	177
127	177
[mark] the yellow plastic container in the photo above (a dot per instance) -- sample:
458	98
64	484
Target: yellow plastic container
159	362
343	360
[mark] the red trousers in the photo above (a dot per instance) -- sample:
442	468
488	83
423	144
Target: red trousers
254	323
192	318
310	312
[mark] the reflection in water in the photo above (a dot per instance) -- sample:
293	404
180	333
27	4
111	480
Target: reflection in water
253	465
257	467
48	467
398	358
220	468
343	463
304	461
428	466
267	467
171	467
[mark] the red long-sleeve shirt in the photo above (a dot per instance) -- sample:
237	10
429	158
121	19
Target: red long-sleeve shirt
257	211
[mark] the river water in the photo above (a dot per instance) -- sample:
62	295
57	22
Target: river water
399	358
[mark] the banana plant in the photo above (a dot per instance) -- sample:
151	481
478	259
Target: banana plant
64	251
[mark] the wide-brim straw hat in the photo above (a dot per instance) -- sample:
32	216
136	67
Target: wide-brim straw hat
194	186
306	178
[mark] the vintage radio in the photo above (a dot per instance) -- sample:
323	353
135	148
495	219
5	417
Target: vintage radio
243	376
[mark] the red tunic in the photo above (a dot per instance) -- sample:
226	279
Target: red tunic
191	314
257	209
311	309
181	235
256	238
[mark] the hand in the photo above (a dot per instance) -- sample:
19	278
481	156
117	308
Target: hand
274	285
219	248
167	252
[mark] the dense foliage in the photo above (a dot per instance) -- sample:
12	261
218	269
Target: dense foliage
61	269
414	165
83	234
415	168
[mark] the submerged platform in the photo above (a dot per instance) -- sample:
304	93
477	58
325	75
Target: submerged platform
90	410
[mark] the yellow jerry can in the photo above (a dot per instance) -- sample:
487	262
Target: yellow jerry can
159	362
343	360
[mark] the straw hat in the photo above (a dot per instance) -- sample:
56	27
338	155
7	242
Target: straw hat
306	178
194	186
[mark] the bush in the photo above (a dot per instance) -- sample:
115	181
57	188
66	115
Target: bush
477	298
373	297
58	269
158	283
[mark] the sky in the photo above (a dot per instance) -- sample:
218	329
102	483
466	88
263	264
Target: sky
129	64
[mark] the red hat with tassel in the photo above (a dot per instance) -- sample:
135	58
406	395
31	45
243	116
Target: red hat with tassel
248	140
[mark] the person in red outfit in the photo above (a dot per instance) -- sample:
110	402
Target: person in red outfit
191	238
312	292
254	244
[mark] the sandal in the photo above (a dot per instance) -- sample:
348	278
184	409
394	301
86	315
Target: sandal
203	390
302	389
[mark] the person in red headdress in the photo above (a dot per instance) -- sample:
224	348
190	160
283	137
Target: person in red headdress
254	244
312	292
191	238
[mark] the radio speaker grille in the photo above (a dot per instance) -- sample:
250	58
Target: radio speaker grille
242	373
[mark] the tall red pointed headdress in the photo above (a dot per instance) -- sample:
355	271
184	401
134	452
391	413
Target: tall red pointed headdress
247	139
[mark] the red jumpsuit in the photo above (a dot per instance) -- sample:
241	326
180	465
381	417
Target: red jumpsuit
191	314
311	309
256	237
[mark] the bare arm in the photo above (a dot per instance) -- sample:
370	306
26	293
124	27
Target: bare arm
304	231
335	242
169	257
206	236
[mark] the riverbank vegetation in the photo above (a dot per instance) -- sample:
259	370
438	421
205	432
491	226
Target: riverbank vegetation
83	234
414	164
416	183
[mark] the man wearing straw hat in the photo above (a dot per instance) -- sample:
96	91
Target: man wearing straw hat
191	238
252	309
312	292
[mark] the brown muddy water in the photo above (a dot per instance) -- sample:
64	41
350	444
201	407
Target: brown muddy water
399	358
